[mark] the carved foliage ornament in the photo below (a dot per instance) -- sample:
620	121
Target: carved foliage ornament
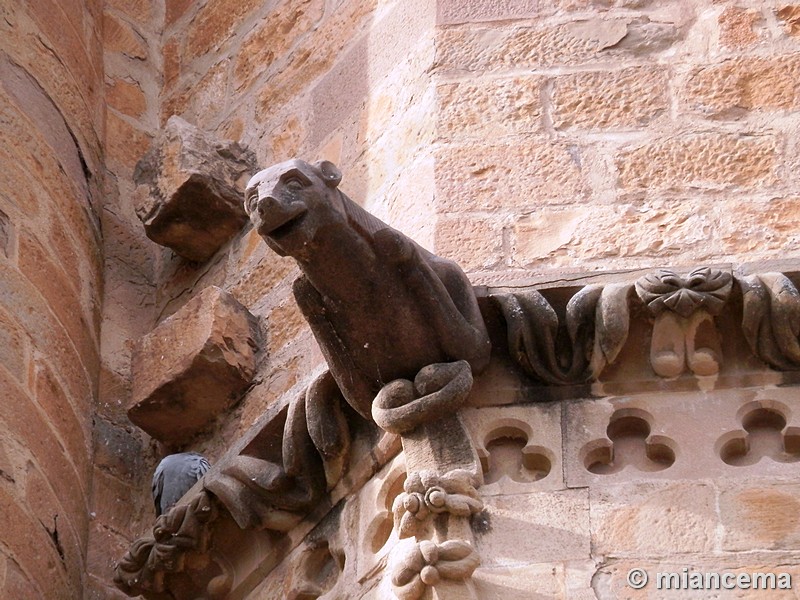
703	288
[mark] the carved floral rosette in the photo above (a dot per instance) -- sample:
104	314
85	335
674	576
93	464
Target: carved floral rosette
704	288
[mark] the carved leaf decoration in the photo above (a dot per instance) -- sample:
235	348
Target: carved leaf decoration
612	322
704	287
597	324
532	328
771	319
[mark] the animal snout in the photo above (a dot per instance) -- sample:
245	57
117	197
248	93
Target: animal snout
264	205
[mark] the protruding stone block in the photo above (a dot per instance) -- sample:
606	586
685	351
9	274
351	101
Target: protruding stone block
192	367
196	186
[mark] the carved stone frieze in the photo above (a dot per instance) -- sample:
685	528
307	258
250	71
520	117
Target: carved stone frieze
596	322
704	288
428	564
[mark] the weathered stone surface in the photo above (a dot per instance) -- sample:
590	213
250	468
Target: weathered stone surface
126	97
192	367
196	183
719	161
626	99
314	56
488	108
273	38
125	143
472	241
730	89
521	582
653	520
472	11
120	37
535	527
214	24
790	15
484	177
762	517
737	27
483	48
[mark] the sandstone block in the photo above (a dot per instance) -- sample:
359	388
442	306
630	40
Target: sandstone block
483	177
126	97
483	48
706	160
653	520
285	324
488	108
141	10
172	61
273	38
176	9
734	87
196	185
760	516
790	15
125	143
473	242
471	11
192	366
119	450
120	37
530	528
74	433
314	55
736	27
214	24
629	98
520	583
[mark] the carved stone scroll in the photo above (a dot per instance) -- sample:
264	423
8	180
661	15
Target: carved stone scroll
597	326
771	319
684	332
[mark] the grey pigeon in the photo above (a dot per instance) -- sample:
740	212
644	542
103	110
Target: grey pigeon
175	475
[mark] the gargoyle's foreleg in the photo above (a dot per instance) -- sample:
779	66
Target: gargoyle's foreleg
356	389
446	297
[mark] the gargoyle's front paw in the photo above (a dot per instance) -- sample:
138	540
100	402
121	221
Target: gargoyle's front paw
392	246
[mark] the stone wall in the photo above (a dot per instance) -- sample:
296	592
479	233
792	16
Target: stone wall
529	141
52	115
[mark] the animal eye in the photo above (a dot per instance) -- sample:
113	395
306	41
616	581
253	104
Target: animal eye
294	183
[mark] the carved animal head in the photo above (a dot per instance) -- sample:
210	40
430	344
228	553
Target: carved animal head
289	202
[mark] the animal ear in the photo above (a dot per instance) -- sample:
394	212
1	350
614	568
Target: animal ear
330	173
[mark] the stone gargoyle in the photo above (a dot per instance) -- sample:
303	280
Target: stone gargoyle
381	308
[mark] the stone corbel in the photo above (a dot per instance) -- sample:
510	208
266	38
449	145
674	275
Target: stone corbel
684	332
440	493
